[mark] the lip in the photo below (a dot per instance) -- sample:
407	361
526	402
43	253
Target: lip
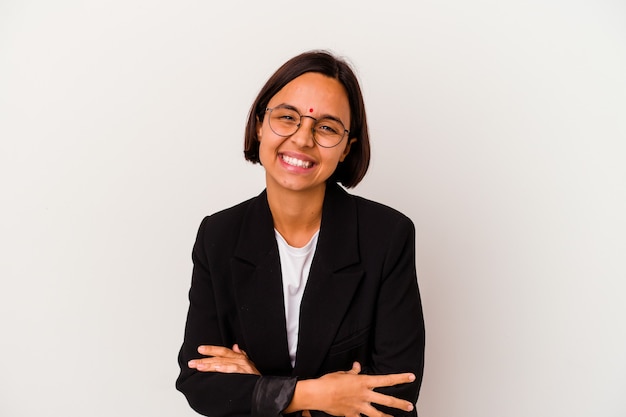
298	156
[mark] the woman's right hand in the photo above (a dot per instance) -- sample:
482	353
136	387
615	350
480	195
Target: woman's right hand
346	393
223	360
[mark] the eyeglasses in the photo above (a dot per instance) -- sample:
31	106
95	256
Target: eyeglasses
285	121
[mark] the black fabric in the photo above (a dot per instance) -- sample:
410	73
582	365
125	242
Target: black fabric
272	395
361	302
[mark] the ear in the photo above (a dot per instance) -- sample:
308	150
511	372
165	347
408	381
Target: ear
259	129
346	151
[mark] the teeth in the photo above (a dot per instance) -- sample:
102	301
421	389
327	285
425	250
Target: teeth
296	162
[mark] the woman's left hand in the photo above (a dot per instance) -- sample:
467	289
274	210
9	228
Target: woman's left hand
224	360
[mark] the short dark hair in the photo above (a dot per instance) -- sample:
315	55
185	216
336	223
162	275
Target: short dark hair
352	170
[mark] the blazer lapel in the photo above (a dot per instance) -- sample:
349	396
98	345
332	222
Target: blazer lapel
258	290
329	291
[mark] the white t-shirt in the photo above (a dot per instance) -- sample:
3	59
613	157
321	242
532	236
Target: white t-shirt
295	264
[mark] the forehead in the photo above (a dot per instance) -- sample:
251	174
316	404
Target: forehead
325	95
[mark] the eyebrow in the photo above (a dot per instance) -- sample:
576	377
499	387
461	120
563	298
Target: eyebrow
323	116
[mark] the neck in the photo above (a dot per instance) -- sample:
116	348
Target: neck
297	215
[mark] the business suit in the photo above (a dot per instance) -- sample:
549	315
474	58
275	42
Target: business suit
361	302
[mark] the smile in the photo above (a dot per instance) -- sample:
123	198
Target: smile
296	162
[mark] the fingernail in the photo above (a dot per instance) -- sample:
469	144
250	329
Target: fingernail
409	407
191	363
411	377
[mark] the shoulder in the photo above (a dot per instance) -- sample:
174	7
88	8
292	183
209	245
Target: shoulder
383	224
228	215
226	223
373	213
373	209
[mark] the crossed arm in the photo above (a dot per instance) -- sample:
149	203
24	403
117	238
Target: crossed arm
344	393
226	381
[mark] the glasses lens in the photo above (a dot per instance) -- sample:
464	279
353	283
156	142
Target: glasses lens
284	122
328	132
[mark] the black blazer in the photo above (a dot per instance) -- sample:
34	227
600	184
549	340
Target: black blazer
361	301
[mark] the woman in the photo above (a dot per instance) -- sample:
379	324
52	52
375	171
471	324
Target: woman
305	298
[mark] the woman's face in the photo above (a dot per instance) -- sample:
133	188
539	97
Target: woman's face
296	162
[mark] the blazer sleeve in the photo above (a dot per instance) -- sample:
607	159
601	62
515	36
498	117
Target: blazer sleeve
219	394
399	337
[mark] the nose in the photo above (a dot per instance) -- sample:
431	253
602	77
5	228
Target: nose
304	135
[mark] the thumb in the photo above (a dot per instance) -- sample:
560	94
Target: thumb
237	349
356	368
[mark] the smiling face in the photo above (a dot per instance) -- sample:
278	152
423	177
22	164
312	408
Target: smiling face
297	163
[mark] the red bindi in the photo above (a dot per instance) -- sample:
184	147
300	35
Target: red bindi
311	110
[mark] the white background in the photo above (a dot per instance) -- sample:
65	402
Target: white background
499	127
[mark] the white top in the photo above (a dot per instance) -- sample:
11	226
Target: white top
295	264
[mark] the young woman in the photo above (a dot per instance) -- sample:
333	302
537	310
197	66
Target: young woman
304	299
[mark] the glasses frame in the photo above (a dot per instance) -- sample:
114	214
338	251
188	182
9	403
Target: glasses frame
346	132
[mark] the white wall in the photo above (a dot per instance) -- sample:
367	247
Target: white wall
498	126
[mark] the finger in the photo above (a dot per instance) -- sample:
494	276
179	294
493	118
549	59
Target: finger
389	401
221	368
210	350
370	411
239	364
237	349
356	369
210	365
375	381
216	361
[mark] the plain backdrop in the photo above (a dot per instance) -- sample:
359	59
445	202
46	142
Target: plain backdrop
499	127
